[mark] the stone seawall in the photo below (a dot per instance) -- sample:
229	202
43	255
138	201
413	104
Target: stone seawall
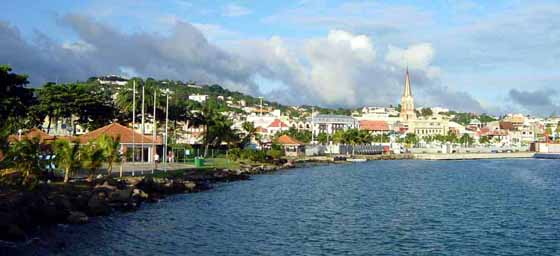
473	156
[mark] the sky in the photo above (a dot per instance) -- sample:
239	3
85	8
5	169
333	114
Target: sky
481	56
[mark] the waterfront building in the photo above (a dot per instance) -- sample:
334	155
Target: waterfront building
329	124
129	139
292	147
375	127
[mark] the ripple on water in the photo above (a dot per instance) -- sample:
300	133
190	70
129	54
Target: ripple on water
489	207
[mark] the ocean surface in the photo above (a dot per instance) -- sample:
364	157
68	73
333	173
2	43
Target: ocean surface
487	207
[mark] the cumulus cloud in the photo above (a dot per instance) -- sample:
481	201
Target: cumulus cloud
537	101
184	54
342	69
338	69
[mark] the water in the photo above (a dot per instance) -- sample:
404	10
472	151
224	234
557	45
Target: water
491	207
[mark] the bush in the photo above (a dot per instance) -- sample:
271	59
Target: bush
275	153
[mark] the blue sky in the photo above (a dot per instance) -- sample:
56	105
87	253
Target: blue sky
485	56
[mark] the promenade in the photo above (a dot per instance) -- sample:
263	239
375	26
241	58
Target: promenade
473	156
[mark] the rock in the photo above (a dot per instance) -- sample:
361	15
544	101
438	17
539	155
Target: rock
105	187
98	205
77	218
120	196
12	232
140	194
189	185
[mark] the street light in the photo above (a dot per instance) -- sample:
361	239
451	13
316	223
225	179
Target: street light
166	124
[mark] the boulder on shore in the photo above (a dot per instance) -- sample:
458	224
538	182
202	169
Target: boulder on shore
77	218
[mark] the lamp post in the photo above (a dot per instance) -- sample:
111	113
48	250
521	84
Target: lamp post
133	122
166	125
154	128
143	131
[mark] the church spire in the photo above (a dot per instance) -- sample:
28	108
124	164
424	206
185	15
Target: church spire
407	89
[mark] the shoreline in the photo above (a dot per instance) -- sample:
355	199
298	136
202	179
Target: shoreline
23	212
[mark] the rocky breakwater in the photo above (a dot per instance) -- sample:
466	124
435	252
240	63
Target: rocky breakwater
23	212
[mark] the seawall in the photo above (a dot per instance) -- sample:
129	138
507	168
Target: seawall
473	156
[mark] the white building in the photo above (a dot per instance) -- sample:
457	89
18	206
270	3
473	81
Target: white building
198	97
112	80
331	123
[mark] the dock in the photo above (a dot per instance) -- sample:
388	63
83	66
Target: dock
473	156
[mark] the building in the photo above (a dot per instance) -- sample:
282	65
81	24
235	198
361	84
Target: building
375	127
129	139
410	123
331	123
112	80
277	126
292	147
198	97
407	101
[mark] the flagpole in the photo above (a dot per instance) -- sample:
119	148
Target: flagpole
133	122
154	128
166	123
143	131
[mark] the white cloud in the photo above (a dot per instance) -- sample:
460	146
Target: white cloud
235	10
418	56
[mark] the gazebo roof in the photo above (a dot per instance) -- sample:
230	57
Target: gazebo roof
287	140
117	130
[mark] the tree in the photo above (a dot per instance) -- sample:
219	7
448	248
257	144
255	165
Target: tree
92	157
426	112
15	100
218	129
250	132
25	157
67	157
111	150
484	140
323	138
465	139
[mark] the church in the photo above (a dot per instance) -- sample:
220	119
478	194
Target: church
421	126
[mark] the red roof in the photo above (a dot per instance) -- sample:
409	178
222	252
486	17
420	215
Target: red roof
261	130
287	140
277	123
117	130
369	125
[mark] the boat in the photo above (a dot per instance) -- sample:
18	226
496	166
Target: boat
357	160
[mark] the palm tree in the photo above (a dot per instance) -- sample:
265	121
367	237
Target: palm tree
92	156
67	157
26	157
250	132
111	150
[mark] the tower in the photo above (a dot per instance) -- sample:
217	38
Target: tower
407	101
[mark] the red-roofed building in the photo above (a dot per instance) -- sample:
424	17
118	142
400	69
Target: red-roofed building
374	127
292	146
128	139
277	126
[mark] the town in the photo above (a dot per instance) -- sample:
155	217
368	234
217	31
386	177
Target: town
209	116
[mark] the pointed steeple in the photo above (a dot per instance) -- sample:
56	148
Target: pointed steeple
407	89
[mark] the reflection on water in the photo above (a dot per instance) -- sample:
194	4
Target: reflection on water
491	207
